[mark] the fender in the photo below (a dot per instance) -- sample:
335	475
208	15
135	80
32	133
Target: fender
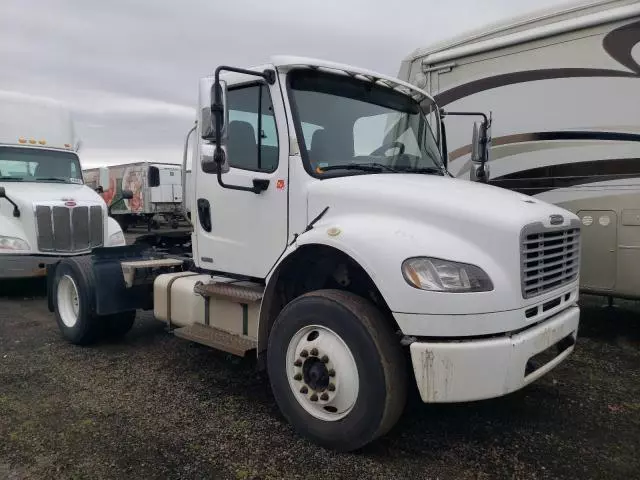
113	227
379	243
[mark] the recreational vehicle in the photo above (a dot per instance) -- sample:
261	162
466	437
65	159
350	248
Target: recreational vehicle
564	88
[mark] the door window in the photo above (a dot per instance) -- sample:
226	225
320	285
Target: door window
252	142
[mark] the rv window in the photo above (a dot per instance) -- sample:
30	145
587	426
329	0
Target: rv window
154	177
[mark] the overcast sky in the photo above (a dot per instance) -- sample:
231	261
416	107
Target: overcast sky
129	69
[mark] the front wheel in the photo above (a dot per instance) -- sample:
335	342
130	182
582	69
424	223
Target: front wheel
336	369
73	290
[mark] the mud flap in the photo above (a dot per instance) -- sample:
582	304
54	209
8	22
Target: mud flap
51	271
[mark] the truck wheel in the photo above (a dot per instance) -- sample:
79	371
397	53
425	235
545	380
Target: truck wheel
336	369
72	291
118	325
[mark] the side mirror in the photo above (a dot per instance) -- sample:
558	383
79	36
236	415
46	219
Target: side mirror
124	195
99	189
480	148
213	121
3	194
127	194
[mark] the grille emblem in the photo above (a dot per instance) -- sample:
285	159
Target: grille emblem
556	219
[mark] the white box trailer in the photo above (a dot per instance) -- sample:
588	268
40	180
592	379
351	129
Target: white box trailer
46	212
564	87
156	187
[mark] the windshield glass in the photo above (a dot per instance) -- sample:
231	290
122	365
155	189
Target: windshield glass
351	123
39	165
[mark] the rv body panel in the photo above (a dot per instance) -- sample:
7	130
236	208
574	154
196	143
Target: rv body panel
566	129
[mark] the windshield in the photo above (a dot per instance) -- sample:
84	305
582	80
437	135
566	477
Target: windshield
352	126
39	165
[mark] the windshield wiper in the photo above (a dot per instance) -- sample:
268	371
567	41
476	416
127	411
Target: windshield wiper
52	179
429	170
11	179
365	167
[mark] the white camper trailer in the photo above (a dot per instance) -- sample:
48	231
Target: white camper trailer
46	212
564	87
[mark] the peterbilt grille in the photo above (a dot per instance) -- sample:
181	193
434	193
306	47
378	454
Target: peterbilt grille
69	229
550	258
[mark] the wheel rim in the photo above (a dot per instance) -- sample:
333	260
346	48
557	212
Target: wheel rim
322	373
68	301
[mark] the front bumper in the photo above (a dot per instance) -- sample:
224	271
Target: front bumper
473	369
25	266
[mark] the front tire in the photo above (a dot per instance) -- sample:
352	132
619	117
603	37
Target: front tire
336	369
73	301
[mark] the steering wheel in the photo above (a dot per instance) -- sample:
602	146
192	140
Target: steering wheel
388	146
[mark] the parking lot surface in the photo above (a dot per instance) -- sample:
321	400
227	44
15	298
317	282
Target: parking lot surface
155	406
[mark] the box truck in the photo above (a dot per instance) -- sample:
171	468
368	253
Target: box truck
156	188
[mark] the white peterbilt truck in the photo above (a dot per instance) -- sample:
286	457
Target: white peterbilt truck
330	239
46	211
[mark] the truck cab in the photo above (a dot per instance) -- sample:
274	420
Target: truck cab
46	212
330	239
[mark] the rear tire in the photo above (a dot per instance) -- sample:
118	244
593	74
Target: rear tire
73	300
336	369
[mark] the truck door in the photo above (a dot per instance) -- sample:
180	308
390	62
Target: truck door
242	232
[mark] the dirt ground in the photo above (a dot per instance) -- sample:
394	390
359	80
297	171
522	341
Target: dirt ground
155	406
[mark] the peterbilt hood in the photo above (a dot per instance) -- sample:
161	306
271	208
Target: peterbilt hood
434	198
28	193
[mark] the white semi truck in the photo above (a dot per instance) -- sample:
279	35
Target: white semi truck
46	212
329	238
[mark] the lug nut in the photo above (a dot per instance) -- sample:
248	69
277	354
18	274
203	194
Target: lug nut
314	398
324	396
332	373
298	363
297	376
304	354
331	387
314	352
324	359
304	390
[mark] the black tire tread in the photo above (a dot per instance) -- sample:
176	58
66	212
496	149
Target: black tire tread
393	360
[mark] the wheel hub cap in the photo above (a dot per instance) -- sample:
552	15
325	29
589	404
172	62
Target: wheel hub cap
322	373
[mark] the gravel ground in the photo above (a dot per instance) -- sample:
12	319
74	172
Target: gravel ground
155	406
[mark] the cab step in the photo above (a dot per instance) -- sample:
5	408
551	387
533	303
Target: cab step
215	338
244	292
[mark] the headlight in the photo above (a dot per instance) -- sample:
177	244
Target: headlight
117	239
13	243
439	275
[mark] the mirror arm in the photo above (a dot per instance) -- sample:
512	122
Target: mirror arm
445	153
217	110
444	113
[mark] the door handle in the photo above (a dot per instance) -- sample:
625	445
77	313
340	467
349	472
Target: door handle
204	214
260	185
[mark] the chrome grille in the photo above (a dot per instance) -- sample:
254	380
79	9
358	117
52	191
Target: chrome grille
69	229
550	258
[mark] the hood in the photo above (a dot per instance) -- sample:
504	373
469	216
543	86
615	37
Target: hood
443	200
28	193
392	217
